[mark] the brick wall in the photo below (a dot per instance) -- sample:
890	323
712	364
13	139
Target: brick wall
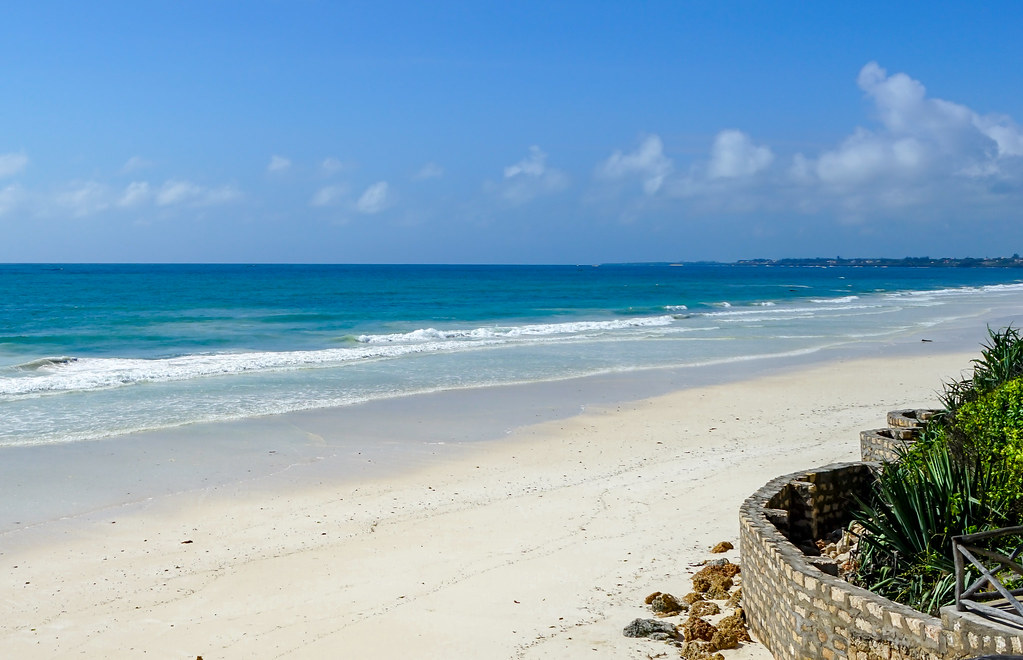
801	612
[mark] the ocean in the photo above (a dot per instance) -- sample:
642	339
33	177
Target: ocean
94	351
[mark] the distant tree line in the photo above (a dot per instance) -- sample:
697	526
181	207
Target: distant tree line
913	262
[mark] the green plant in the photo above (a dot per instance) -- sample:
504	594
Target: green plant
914	511
964	474
1001	360
989	430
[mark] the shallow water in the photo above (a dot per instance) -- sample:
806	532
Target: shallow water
96	351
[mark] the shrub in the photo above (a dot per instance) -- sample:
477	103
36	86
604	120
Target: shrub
915	509
963	475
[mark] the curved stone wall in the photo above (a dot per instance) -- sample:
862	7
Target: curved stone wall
903	428
800	611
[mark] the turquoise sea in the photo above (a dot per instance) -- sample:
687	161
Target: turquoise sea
91	351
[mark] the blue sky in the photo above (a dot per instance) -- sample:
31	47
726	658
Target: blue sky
526	132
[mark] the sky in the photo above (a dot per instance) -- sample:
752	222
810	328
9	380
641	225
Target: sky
508	132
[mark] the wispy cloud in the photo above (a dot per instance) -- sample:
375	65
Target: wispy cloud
278	164
11	197
11	164
430	170
83	198
528	179
134	164
179	192
329	195
331	166
374	199
136	193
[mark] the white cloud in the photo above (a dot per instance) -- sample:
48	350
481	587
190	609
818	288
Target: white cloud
734	155
136	193
83	198
921	139
331	165
329	195
220	195
919	156
430	170
134	164
11	164
278	164
532	165
647	162
11	198
374	199
176	192
528	179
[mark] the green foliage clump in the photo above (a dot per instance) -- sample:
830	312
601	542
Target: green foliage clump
1000	361
963	475
989	430
916	508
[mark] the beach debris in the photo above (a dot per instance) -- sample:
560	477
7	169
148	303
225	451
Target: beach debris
715	581
697	637
188	541
665	604
723	546
697	629
723	640
692	597
698	651
735	624
704	608
652	628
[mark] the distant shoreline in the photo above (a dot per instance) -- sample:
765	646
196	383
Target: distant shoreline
1015	261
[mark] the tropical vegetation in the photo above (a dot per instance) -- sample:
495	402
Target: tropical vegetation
963	475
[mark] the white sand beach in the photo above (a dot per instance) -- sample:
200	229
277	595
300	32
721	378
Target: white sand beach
541	544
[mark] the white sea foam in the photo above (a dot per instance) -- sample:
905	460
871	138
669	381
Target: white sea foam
840	299
957	291
512	332
787	311
103	373
66	374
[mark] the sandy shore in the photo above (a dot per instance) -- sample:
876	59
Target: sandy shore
542	544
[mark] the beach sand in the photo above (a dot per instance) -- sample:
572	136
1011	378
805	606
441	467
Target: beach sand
540	544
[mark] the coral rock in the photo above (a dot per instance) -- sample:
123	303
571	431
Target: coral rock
715	579
692	597
723	640
735	625
704	608
724	546
700	651
666	605
696	628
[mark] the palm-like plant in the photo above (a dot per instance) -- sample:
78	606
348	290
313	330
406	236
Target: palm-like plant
915	510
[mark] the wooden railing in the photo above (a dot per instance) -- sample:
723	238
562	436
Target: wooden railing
987	595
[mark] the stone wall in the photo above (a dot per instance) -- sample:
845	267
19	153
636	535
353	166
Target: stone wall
800	611
884	445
